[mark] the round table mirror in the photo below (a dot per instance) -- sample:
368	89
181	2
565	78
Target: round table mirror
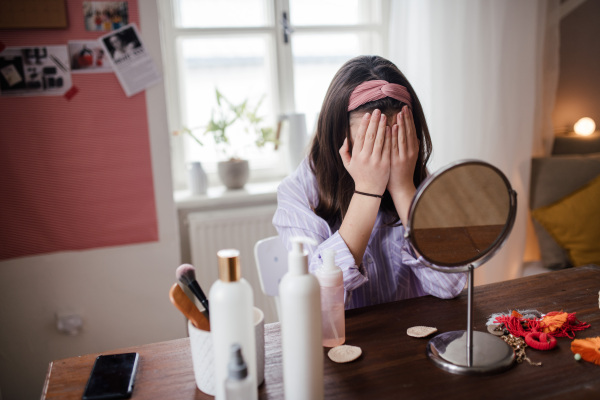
458	219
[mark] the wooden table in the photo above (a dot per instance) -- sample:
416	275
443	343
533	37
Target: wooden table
394	365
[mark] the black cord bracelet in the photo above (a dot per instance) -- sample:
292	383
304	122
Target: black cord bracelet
369	194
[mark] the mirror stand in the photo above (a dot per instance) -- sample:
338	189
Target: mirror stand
458	219
470	352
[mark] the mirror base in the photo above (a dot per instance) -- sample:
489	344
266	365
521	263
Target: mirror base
490	353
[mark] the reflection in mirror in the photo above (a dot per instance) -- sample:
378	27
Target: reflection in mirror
461	214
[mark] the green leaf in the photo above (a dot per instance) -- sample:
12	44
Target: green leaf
226	114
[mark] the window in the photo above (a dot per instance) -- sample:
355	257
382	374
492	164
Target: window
283	52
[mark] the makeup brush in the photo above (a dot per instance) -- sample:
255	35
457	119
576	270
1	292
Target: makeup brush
188	308
186	274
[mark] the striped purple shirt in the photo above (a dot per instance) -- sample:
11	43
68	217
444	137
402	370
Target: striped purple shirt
389	269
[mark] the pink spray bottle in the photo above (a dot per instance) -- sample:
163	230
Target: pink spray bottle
332	301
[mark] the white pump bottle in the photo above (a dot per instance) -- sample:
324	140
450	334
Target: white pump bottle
331	279
301	333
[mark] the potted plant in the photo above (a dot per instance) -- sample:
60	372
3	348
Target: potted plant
230	117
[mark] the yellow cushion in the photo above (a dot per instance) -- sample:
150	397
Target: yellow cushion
574	222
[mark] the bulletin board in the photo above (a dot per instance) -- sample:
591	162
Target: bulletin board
33	14
76	169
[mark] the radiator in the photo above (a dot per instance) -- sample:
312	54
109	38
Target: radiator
239	228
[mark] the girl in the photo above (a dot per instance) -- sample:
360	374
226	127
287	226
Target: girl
353	191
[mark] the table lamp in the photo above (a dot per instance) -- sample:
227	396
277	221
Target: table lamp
584	126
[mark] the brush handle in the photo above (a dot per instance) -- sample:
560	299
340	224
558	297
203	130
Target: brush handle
197	290
188	308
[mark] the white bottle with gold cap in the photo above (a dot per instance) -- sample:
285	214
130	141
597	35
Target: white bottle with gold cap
231	319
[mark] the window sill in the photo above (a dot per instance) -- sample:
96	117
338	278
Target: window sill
221	197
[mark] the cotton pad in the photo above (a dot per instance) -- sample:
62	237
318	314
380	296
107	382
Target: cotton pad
420	331
344	353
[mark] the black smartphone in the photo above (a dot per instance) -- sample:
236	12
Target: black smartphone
112	377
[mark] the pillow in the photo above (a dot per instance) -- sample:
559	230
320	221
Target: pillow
553	178
574	222
553	256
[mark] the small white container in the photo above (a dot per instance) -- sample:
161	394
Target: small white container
231	319
301	334
197	179
237	386
331	279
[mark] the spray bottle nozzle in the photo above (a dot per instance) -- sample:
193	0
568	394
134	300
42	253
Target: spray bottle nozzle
237	366
329	260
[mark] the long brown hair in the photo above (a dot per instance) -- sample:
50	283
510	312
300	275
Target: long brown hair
335	184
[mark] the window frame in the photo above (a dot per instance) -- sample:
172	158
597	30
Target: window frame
282	65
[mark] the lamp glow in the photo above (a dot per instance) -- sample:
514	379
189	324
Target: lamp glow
585	126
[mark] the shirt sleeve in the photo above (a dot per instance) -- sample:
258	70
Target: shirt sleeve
295	217
436	283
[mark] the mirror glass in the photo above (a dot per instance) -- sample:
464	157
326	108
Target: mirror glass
461	213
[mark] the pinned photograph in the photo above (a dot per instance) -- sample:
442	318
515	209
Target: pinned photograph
105	16
123	45
133	66
34	71
88	56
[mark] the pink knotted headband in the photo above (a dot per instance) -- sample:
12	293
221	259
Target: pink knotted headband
375	90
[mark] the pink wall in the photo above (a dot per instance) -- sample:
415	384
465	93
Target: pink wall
74	174
578	93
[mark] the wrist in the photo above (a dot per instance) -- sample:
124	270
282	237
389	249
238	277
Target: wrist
402	200
403	192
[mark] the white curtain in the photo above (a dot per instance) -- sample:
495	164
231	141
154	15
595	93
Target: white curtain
486	73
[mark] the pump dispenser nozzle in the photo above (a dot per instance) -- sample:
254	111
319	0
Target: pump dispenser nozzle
298	257
298	241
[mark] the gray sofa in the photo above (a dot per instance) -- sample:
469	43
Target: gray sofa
574	163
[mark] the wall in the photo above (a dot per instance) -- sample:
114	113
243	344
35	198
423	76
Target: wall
578	93
121	292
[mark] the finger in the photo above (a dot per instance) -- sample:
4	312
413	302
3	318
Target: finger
387	146
402	128
381	133
344	153
359	140
412	142
371	132
409	116
394	144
